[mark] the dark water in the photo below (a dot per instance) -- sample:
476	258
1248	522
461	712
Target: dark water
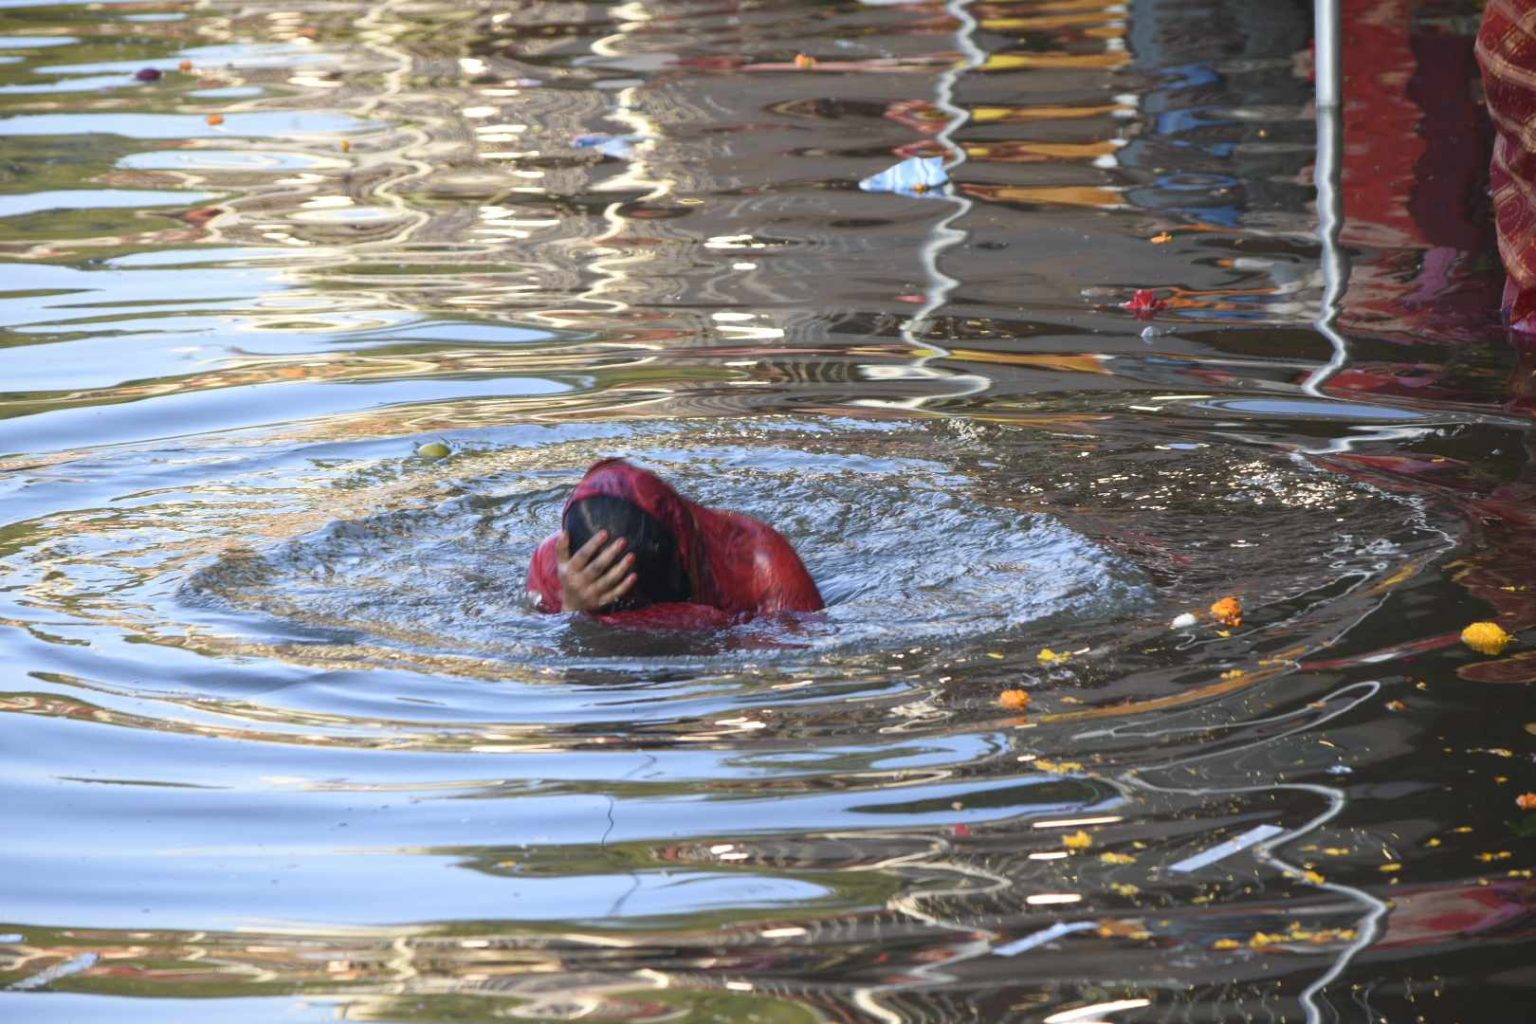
283	740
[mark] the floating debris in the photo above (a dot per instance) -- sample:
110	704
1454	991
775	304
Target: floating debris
1396	705
214	120
1117	858
1161	238
1079	840
1040	938
185	67
1526	801
1050	657
1014	700
620	147
434	450
1486	637
1182	621
148	74
200	215
1228	611
1144	302
804	61
914	176
1221	851
74	965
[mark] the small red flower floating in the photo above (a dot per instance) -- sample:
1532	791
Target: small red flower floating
1144	302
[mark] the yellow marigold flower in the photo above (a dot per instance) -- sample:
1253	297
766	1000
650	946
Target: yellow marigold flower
1486	637
1078	840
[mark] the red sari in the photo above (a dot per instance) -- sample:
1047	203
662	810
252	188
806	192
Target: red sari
737	566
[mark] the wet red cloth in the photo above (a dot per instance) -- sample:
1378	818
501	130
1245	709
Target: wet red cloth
1506	49
738	567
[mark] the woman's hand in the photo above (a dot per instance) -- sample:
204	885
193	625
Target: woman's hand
595	576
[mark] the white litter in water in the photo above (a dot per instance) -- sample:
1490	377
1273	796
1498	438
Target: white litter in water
1183	621
1043	936
620	147
1221	851
74	965
915	176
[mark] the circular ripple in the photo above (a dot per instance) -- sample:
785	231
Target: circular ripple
959	538
901	547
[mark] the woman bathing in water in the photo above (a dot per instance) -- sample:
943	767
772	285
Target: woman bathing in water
631	548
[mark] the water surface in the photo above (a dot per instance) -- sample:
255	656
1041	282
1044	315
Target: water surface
283	739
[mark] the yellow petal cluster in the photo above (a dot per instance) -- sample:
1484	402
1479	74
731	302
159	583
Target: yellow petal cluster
1486	637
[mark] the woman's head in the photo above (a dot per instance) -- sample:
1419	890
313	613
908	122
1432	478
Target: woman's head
660	577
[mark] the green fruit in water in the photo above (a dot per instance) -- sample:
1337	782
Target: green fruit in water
434	450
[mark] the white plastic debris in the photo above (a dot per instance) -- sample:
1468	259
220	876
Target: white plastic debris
915	176
1040	938
1183	621
1221	851
620	147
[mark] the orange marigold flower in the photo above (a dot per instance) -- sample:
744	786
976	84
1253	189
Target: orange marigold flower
1228	611
1014	700
1526	801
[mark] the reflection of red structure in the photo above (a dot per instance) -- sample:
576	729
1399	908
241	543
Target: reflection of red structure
1434	914
1413	185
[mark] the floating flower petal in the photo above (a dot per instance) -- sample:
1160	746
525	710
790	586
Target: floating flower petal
1144	302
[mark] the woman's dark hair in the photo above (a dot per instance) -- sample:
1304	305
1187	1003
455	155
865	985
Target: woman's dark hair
660	576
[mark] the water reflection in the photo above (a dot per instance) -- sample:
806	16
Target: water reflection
283	731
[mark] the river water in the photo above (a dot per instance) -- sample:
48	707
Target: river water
283	740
